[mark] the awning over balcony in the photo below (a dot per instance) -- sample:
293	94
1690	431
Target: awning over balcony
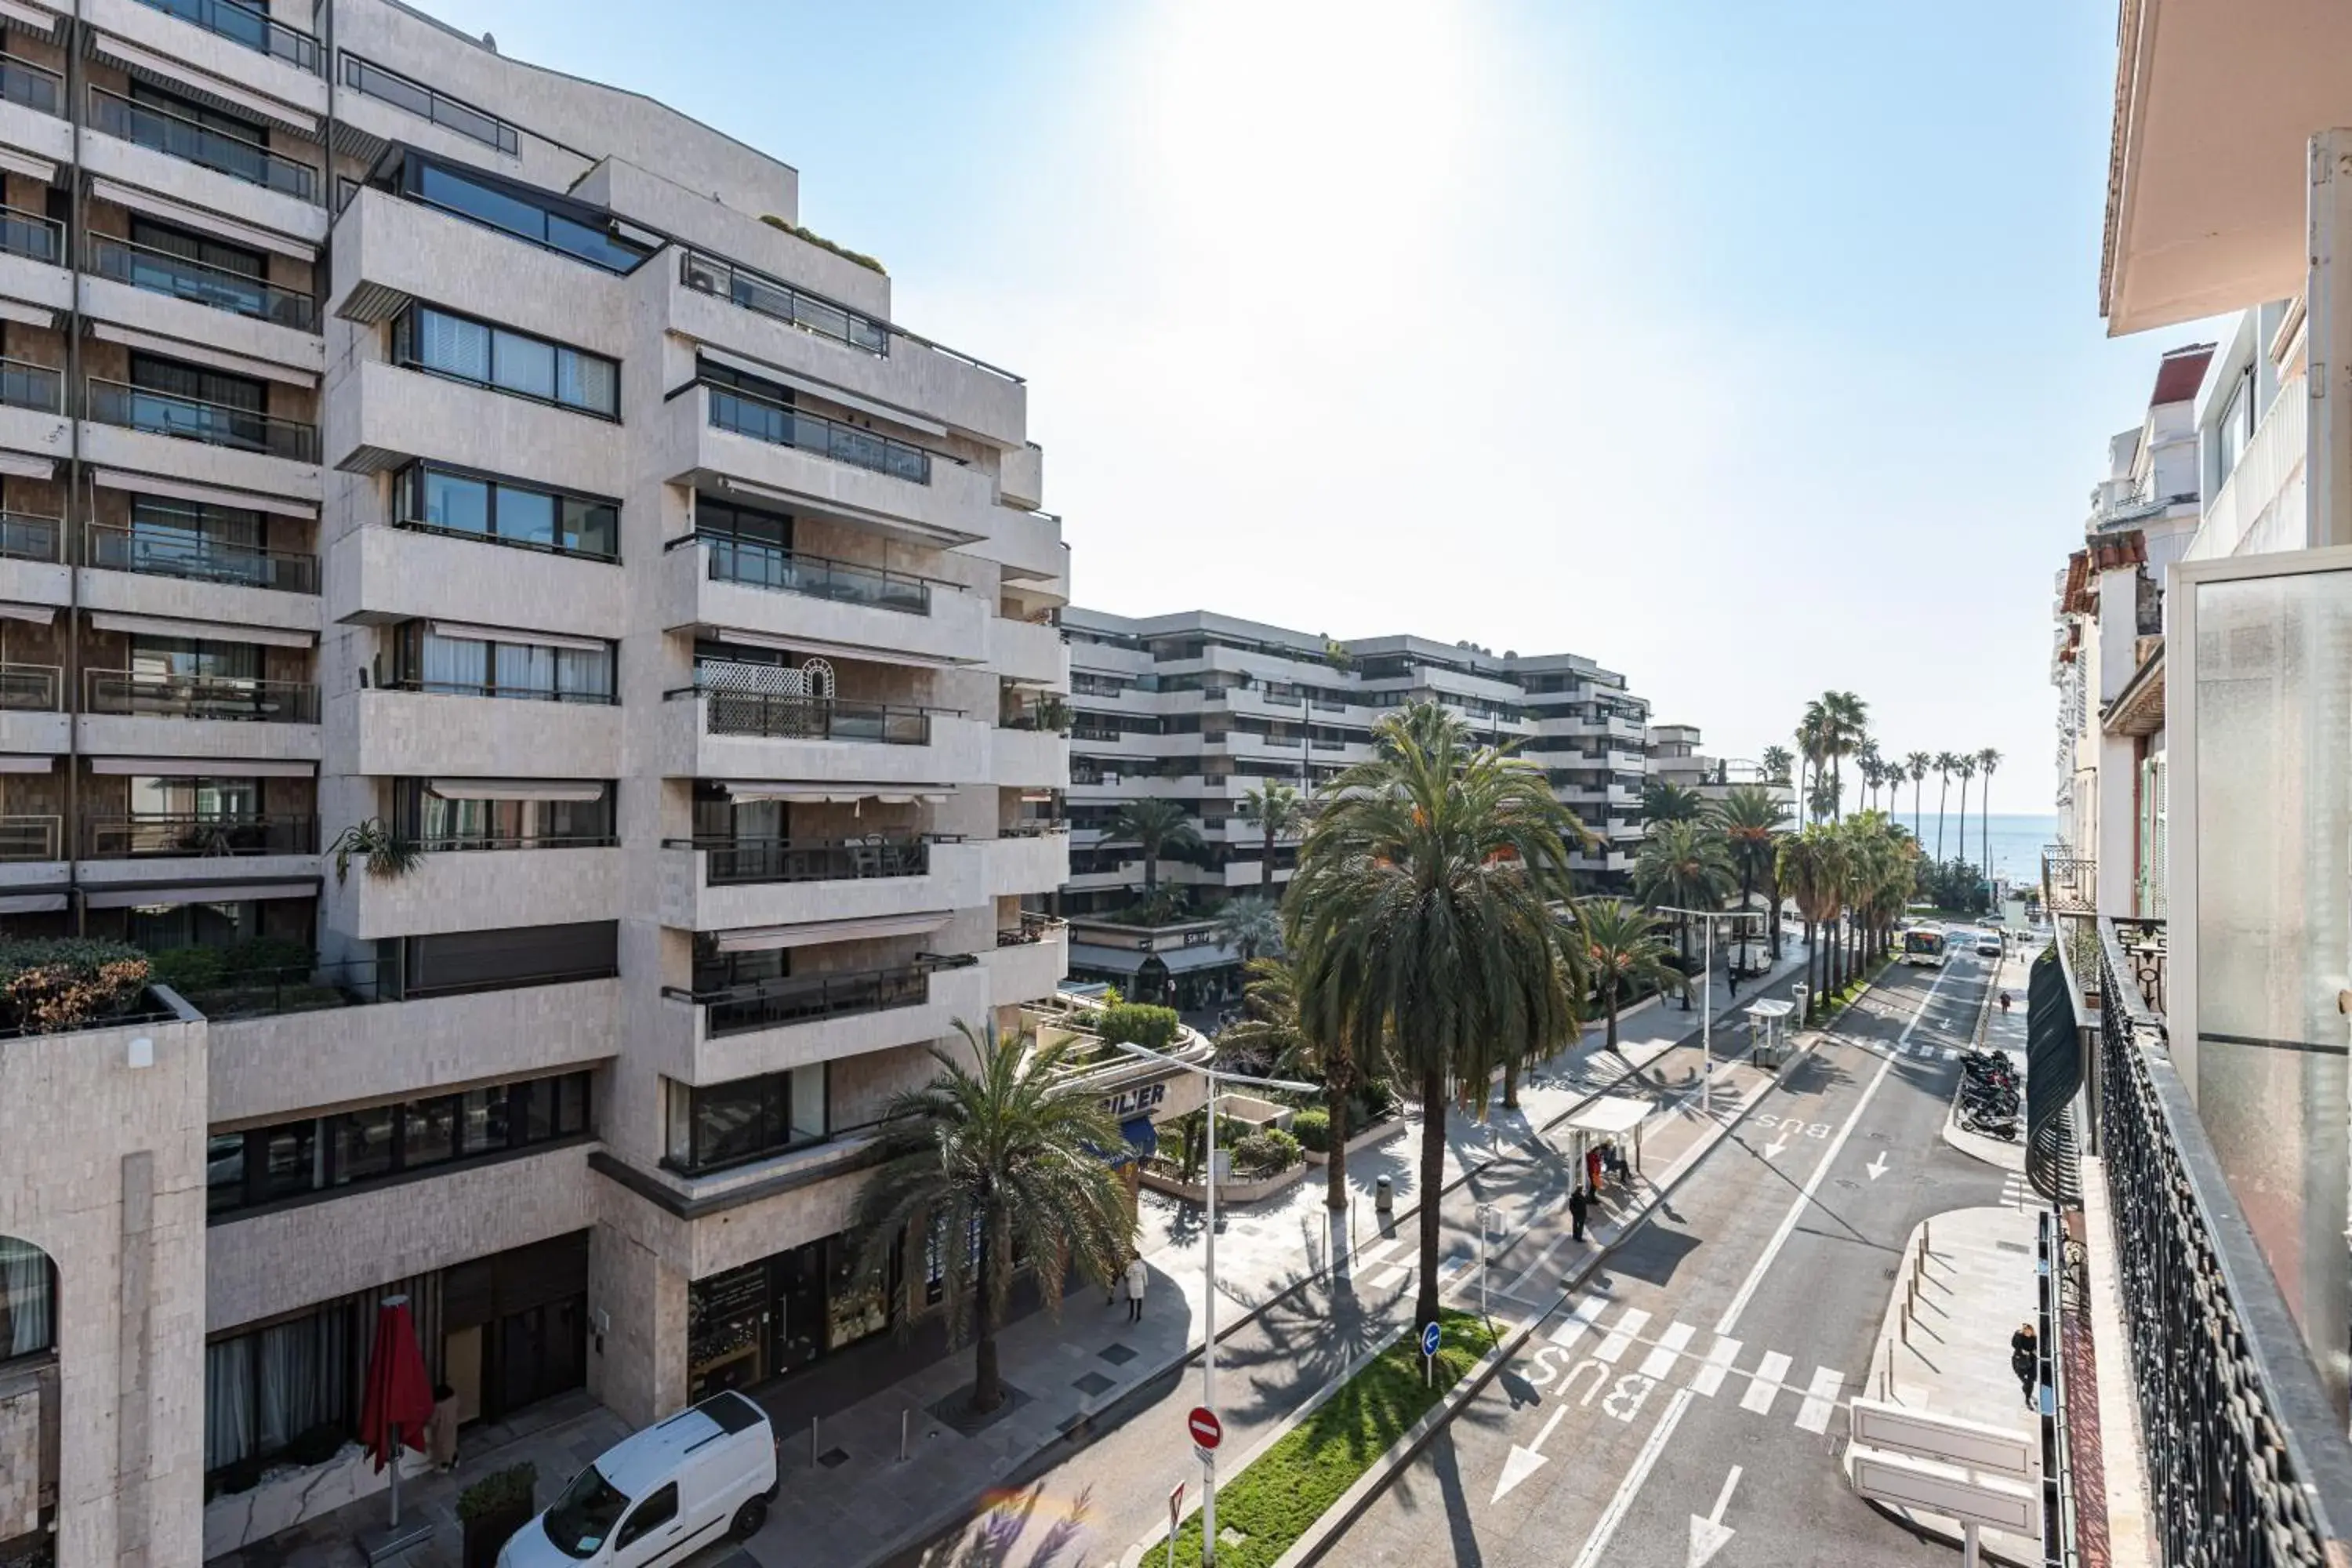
212	495
210	631
31	903
808	933
864	652
199	767
15	763
198	893
464	632
219	359
517	789
38	615
805	794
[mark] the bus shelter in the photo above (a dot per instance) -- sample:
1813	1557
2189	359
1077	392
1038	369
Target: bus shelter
1606	1117
1767	1031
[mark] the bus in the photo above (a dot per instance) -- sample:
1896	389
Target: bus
1925	944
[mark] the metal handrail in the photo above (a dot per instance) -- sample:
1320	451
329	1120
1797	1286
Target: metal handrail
28	837
452	845
779	717
217	697
141	834
733	862
176	135
30	687
247	24
2069	881
1035	828
772	1004
761	565
24	385
161	412
183	278
517	693
430	105
35	87
745	413
1033	929
507	540
28	536
199	560
783	302
30	235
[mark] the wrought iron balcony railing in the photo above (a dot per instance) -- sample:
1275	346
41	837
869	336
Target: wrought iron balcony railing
2070	881
794	718
2245	1453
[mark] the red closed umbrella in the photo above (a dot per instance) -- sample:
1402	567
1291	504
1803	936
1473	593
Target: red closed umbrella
399	1397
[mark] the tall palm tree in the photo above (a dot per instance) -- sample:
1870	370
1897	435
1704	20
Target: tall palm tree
1684	864
1919	763
1866	763
1268	1037
1812	869
1421	923
1623	953
1664	800
1155	827
1000	1159
1987	761
1964	766
1776	763
1815	732
1275	809
1751	821
1250	925
1849	728
1946	765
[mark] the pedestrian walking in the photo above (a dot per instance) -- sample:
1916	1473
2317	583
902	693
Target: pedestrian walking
1138	1277
1593	1168
2025	1360
1577	1203
2004	1004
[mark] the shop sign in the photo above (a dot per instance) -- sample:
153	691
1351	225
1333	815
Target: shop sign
1140	1100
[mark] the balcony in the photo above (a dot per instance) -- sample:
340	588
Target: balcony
27	839
2070	883
732	884
198	560
31	719
1031	652
398	732
739	413
389	415
218	698
1031	758
136	145
378	575
723	582
1029	962
26	537
245	25
29	235
813	719
193	419
532	882
781	1024
32	418
153	836
30	386
215	288
36	88
160	130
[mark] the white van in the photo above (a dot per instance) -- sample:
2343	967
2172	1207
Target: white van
655	1497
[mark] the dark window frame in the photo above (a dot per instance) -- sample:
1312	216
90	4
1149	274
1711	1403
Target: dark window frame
407	353
409	486
775	1114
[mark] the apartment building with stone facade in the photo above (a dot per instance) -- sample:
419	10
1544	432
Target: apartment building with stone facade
1200	709
402	438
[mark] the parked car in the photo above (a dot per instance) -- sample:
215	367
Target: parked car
1989	945
659	1494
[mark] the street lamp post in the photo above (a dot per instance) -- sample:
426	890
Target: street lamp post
1209	1306
1706	1005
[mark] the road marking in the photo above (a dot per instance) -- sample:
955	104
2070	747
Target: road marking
1709	1376
1622	1335
1614	1515
1778	1147
1392	1277
1764	1385
1661	1361
1525	1462
1877	1167
1580	1318
1708	1535
1820	1399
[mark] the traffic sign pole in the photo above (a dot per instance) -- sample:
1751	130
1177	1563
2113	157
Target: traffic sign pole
1175	1512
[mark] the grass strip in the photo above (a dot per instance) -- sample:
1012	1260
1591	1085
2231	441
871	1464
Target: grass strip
1290	1486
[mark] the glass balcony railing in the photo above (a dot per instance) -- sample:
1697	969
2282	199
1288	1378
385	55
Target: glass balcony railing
782	302
139	695
736	862
28	838
193	419
139	837
33	387
247	24
35	87
789	718
733	411
784	571
772	1004
29	688
31	235
161	272
24	537
160	130
200	560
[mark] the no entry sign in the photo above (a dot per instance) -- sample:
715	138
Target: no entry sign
1206	1429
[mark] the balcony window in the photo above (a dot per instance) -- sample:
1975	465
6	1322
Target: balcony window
747	405
182	128
725	1124
512	813
780	301
166	397
28	1299
162	259
198	815
449	113
474	506
30	235
459	963
248	25
536	217
28	385
479	661
467	350
35	87
183	678
170	537
755	548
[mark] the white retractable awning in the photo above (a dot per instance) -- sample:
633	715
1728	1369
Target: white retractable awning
29	314
764	939
212	495
197	893
31	903
807	793
24	163
25	465
819	645
18	762
465	632
211	631
199	767
190	216
1610	1113
180	74
219	359
516	789
39	615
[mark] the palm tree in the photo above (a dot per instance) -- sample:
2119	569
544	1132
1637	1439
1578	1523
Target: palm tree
1919	763
1155	827
1987	761
1269	1038
1250	925
1421	921
1965	766
1684	864
1849	727
1663	801
1866	763
999	1160
1275	809
1812	867
1946	765
1813	737
1622	950
1776	763
1750	821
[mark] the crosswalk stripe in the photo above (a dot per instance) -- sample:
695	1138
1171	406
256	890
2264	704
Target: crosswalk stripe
1661	1361
1396	1276
1765	1382
1709	1376
1580	1318
1820	1399
1621	1336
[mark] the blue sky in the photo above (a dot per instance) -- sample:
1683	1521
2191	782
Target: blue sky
1749	348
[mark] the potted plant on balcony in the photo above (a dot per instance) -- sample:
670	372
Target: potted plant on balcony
385	853
494	1508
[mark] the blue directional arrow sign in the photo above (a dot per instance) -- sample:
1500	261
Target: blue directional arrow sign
1430	1334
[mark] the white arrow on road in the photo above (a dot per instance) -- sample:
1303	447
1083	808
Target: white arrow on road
1877	1167
1523	1462
1778	1147
1707	1535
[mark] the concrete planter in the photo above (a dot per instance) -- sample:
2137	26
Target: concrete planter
1227	1191
284	1498
1378	1132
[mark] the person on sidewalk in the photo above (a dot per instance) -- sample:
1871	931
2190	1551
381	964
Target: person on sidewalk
1138	1277
1593	1169
1577	1203
2025	1360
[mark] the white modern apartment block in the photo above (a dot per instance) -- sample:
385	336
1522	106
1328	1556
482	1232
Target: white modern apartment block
1675	758
396	433
1200	708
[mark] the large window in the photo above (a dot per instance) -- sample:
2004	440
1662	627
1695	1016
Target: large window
477	661
457	963
28	1299
265	1389
262	1166
475	506
724	1124
578	231
495	814
534	367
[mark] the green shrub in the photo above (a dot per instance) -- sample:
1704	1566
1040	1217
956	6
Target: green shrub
269	956
1313	1130
1376	1101
49	986
1267	1153
797	232
1138	1023
189	970
517	1484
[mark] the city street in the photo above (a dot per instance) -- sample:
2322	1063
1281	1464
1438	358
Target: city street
1684	1405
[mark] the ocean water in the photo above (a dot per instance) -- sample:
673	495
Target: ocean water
2017	841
